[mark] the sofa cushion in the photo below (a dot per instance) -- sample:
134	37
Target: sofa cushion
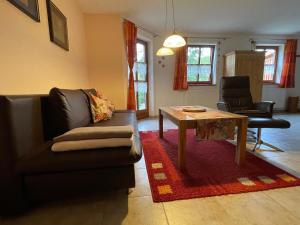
120	118
45	161
69	108
88	133
81	145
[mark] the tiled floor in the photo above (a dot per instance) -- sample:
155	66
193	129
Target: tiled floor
274	207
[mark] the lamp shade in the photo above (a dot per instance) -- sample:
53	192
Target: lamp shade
163	51
174	41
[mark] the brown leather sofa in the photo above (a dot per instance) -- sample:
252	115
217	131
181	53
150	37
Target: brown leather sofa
31	172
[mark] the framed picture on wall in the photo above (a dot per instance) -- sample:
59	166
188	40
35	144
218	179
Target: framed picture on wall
29	7
58	27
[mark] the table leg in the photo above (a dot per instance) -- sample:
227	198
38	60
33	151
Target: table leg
161	124
240	154
181	146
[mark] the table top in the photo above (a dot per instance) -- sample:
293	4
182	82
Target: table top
177	113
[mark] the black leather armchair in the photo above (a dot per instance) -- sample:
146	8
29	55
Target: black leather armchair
236	98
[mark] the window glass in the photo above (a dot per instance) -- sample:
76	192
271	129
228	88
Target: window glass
205	56
141	79
271	53
193	55
141	71
140	52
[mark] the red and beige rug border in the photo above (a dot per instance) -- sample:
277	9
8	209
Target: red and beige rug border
163	177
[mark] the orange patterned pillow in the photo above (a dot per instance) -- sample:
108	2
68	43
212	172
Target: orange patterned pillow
110	105
101	107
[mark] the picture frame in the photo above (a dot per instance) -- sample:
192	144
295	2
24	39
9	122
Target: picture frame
58	27
29	7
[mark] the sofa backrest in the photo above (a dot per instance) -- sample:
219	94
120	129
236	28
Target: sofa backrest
69	109
27	122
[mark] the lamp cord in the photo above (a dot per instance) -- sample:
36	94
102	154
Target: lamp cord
173	10
166	18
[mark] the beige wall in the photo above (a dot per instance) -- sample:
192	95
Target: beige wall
107	65
29	62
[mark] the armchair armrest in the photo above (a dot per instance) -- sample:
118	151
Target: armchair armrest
266	106
223	106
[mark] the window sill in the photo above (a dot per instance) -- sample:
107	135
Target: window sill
201	84
270	83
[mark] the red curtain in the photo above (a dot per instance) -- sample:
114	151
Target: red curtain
180	74
289	64
130	34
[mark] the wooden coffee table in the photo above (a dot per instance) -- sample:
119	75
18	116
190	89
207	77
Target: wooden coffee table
186	121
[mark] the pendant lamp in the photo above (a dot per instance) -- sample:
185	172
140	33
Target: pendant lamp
174	40
164	51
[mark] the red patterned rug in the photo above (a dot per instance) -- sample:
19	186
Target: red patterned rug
211	169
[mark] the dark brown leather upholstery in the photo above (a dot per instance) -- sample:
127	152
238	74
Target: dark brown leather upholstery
52	186
44	160
236	92
236	98
30	171
21	131
70	108
268	123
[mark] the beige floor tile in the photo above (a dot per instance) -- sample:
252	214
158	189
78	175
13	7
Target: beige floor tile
142	187
88	211
140	164
200	211
121	210
271	154
257	208
288	162
289	198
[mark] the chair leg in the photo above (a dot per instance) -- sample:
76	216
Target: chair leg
260	142
251	131
273	147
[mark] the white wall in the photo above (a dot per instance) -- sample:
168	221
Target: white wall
208	95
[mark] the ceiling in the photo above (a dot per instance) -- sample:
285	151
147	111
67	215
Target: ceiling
255	17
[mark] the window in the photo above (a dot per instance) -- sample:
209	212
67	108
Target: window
141	79
271	57
200	64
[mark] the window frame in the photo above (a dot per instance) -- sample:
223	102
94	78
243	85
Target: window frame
202	83
276	48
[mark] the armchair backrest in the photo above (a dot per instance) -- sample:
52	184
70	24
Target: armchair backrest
235	91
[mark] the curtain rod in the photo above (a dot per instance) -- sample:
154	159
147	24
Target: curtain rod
271	39
214	38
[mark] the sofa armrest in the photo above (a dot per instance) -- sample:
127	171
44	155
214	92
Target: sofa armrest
266	106
223	106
